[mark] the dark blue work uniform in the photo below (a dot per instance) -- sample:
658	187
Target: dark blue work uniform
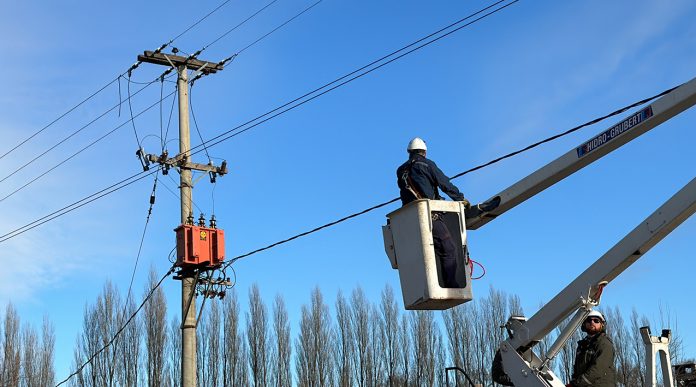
420	178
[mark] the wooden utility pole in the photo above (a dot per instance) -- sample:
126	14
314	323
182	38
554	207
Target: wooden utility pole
188	275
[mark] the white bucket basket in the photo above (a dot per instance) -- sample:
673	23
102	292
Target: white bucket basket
408	242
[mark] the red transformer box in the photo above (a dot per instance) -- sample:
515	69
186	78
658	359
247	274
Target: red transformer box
199	246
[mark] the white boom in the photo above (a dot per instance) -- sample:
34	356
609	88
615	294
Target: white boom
521	365
661	110
527	370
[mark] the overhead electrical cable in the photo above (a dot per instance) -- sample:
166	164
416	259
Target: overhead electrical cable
81	150
277	28
494	161
138	176
195	123
161	78
75	205
199	21
362	71
58	119
115	187
238	53
169	121
142	238
69	209
83	127
30	137
120	330
236	26
130	109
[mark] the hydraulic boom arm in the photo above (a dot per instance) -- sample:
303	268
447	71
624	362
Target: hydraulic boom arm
581	294
661	110
520	363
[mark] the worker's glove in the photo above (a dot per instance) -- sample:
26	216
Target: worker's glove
466	204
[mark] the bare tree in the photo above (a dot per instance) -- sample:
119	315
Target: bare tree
376	374
46	374
344	343
458	323
100	324
360	326
30	358
234	353
155	325
214	350
669	321
281	375
638	348
617	330
257	336
323	338
389	315
314	344
426	341
208	350
11	356
304	352
406	344
173	367
128	345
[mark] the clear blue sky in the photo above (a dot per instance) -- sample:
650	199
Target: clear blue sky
526	73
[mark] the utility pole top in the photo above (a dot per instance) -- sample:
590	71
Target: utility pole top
176	61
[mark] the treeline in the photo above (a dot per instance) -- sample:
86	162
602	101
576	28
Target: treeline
349	341
353	342
27	355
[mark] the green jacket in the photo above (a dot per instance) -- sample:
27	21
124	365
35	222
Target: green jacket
594	362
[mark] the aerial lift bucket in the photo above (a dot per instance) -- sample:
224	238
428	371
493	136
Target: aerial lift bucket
408	242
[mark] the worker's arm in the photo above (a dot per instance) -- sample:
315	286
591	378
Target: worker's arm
445	184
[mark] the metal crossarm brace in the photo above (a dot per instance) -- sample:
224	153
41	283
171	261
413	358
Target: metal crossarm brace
176	60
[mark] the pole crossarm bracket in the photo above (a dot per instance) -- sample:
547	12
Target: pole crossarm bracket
191	63
180	162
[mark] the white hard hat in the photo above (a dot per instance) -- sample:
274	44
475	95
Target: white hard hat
596	313
416	144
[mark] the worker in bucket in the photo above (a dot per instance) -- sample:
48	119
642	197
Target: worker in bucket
594	358
420	178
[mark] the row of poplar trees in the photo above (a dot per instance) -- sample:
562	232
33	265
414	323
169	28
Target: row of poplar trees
352	342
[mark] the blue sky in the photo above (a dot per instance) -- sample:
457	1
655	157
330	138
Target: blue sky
526	73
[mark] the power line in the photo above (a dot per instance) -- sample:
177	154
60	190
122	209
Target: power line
81	150
120	330
362	71
70	136
139	176
132	120
200	20
195	122
236	26
77	204
133	67
277	28
42	220
481	166
130	109
58	119
142	238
